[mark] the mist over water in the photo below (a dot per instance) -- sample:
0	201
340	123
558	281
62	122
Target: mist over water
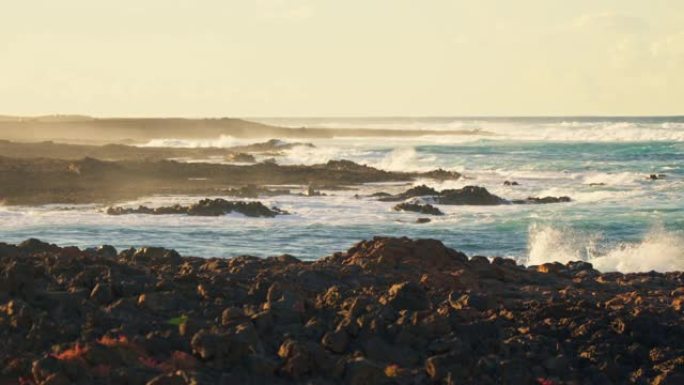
619	219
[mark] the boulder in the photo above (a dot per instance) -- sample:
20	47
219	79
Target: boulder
205	207
544	200
470	195
361	371
408	296
418	208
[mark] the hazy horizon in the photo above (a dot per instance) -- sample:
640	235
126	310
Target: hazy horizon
458	117
305	58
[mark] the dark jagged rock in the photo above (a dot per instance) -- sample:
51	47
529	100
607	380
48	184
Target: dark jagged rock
42	181
413	192
387	311
468	195
254	191
544	200
205	207
346	165
441	174
272	146
418	208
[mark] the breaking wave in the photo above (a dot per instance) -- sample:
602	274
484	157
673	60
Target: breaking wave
659	250
525	129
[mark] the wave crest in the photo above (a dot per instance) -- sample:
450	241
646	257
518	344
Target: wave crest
659	250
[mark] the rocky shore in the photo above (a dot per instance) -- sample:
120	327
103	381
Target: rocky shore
86	129
468	195
418	208
204	208
387	311
38	181
113	152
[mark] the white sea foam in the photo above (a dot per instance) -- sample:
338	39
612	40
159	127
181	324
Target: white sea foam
659	250
405	159
475	130
563	131
614	179
222	141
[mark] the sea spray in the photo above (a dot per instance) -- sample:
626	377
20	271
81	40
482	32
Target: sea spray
659	250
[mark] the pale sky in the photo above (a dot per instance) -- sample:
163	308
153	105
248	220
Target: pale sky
200	58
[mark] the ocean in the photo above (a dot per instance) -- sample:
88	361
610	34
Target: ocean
619	219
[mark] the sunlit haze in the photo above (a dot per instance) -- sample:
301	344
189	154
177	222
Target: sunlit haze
341	58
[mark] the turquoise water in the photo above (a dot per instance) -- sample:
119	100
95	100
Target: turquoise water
619	219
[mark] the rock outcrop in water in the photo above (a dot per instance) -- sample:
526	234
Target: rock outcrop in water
468	195
544	200
89	180
418	208
205	208
272	147
387	311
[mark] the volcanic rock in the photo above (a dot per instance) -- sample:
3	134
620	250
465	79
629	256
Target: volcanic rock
388	310
205	207
469	195
418	208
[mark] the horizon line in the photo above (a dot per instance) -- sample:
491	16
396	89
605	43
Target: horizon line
190	117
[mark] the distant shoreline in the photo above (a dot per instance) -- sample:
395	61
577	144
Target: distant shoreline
80	129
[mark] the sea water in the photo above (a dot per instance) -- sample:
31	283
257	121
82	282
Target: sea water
619	219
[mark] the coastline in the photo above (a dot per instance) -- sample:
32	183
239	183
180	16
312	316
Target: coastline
387	311
37	181
88	130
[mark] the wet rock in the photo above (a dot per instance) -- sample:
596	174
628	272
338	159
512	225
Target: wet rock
511	183
470	195
544	200
441	174
423	220
413	192
418	208
205	207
